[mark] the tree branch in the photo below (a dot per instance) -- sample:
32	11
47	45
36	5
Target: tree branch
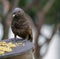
7	19
49	40
40	18
48	6
33	4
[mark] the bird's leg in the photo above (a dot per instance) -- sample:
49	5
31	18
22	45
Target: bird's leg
15	37
30	37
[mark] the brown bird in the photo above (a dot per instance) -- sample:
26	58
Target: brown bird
21	24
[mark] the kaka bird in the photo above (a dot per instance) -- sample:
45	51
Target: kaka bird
22	24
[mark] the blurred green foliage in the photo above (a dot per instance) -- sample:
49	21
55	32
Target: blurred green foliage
32	11
42	3
22	3
51	17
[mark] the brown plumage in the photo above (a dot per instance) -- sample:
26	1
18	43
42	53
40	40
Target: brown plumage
21	24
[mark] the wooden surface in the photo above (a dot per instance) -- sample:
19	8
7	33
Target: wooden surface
26	55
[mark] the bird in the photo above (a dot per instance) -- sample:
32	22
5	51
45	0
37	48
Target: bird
22	24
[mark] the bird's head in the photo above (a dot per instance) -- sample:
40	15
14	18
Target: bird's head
17	12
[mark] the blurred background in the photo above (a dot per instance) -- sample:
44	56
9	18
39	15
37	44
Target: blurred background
45	15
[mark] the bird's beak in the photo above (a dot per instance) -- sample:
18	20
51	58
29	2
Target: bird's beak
13	15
